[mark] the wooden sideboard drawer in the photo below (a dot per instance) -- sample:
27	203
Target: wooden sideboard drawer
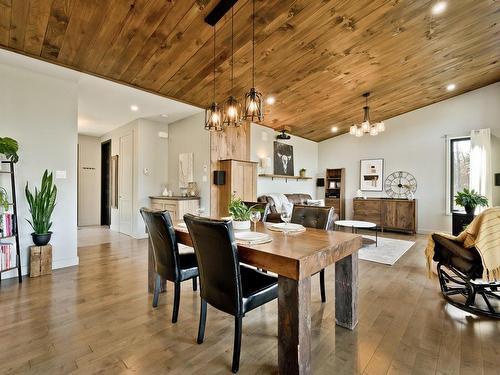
176	207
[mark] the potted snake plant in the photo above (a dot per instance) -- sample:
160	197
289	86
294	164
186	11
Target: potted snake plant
41	205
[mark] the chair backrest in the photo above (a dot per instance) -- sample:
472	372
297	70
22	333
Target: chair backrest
313	216
261	206
165	249
218	265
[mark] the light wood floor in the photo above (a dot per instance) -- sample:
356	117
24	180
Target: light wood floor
97	318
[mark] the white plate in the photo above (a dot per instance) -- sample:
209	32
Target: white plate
289	226
250	236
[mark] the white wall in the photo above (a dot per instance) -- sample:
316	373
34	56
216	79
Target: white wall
305	155
189	135
414	142
40	112
150	166
89	180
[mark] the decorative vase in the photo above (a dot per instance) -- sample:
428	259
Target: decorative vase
41	239
240	225
470	210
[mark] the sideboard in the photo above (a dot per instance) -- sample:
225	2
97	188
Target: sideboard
176	206
387	213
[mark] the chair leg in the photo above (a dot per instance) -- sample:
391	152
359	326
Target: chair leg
156	292
322	285
195	284
177	300
237	344
203	320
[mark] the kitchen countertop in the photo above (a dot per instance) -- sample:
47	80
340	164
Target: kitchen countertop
175	198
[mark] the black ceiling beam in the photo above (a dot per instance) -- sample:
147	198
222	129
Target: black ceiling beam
219	11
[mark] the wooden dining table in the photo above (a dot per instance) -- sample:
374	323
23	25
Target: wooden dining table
295	257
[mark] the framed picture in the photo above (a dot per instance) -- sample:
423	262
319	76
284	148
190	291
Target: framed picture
283	159
185	169
371	175
114	181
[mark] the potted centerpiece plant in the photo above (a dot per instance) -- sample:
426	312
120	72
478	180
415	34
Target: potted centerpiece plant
8	149
41	205
240	213
469	200
302	172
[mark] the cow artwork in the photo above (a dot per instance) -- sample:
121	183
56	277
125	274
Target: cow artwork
283	159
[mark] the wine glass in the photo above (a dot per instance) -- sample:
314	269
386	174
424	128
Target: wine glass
286	214
200	211
255	217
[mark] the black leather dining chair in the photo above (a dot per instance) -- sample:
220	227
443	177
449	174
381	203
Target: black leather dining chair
226	284
261	206
315	217
169	263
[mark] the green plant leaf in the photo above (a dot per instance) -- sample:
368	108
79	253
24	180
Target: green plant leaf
42	204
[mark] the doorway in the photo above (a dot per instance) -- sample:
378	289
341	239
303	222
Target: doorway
105	183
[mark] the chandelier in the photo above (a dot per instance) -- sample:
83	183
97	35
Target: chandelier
213	114
254	109
367	127
232	107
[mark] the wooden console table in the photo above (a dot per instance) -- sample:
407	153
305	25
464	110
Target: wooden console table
176	206
387	213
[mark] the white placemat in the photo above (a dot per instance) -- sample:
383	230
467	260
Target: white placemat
284	227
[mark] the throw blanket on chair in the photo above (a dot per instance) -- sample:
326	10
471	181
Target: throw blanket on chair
483	233
279	200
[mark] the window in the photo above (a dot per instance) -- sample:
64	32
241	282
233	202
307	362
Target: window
459	167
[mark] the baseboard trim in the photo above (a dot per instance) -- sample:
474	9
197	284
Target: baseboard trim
60	263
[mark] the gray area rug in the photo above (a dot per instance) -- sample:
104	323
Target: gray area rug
388	250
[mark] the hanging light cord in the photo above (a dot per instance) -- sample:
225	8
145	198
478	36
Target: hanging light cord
232	50
214	63
253	43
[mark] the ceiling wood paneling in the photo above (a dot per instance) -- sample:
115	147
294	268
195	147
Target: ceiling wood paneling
315	57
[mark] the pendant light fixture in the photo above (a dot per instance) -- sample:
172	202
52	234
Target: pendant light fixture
232	107
254	108
366	127
213	115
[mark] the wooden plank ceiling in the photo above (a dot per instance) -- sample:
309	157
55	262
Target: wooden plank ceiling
316	57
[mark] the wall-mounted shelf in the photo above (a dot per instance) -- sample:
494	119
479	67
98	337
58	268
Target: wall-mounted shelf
285	177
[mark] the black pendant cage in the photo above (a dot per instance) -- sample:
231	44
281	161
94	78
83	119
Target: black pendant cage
254	106
232	112
213	118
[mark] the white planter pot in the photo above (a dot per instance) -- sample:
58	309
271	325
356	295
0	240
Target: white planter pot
239	225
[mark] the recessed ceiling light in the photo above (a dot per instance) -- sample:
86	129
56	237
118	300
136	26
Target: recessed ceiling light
451	87
335	129
134	108
270	100
439	7
164	115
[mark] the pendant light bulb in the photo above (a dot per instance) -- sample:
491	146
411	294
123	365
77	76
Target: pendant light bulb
352	129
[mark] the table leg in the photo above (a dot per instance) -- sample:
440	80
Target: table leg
152	272
294	326
346	291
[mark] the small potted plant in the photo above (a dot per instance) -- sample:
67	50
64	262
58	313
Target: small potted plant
302	172
469	200
240	213
8	149
41	205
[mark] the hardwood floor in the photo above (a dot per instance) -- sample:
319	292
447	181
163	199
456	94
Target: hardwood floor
97	318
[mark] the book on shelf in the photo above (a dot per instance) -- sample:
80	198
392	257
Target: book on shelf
7	260
7	225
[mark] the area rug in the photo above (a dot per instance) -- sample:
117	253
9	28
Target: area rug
388	251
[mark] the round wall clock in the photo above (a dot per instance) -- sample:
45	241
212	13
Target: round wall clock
400	184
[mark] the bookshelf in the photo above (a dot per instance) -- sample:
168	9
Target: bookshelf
335	190
13	233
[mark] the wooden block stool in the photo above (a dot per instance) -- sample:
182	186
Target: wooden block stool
40	260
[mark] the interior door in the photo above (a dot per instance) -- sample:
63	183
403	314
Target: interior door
125	184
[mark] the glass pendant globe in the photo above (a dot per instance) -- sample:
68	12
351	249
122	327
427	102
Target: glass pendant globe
373	131
365	126
359	132
352	129
381	126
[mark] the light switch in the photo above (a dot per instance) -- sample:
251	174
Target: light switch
205	168
61	175
204	178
